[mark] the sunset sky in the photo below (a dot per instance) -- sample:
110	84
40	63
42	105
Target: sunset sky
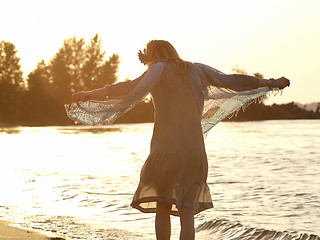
274	37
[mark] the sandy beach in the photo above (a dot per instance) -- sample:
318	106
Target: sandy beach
9	232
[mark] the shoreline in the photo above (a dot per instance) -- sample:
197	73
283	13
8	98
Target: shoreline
9	231
14	125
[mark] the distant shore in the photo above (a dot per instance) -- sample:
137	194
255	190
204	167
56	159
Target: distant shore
144	113
289	111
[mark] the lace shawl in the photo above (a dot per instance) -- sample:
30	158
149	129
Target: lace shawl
218	96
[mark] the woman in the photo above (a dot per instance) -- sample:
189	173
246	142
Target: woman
189	99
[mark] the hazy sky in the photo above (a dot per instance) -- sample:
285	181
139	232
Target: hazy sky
274	37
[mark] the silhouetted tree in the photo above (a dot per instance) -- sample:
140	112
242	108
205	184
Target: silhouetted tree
74	67
238	70
258	75
78	67
318	108
12	84
39	99
97	72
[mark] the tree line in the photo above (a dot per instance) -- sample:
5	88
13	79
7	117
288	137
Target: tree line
39	98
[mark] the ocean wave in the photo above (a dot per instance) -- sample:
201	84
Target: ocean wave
225	230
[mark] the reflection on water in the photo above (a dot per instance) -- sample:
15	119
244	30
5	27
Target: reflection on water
93	129
9	130
80	180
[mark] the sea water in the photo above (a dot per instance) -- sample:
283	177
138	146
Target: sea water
78	181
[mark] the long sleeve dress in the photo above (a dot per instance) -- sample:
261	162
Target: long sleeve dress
176	169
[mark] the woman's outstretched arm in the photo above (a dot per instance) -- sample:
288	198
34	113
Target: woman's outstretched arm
239	82
110	91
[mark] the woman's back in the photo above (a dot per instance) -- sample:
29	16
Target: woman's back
177	115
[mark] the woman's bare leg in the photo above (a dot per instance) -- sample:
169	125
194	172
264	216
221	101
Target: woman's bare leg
187	224
163	224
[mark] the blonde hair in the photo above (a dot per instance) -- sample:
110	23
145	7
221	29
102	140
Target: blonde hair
163	51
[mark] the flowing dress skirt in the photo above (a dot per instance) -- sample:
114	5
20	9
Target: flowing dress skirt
176	169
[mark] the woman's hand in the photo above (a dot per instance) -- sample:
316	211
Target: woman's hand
81	96
282	82
142	57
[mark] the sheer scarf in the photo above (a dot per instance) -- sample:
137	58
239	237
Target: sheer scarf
218	96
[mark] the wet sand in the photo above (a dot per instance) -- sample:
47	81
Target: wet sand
9	232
